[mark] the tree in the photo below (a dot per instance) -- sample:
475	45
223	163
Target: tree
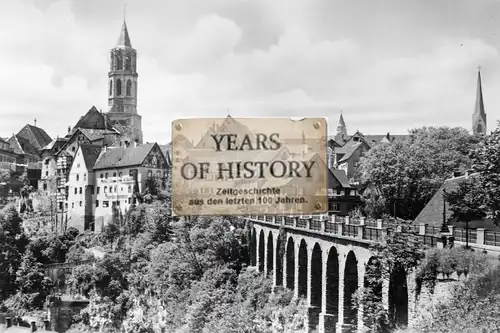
467	202
33	286
4	175
486	161
405	174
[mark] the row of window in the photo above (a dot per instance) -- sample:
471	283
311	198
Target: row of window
120	63
9	159
112	189
118	88
105	203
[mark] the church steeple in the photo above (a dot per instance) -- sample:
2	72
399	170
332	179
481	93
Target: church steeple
122	94
124	39
341	136
479	115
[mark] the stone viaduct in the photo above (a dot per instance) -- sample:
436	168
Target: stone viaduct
325	260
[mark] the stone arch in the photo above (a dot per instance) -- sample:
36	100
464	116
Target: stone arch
279	261
316	275
118	87
373	288
270	252
290	263
261	251
398	296
332	289
350	287
302	287
129	88
253	248
316	286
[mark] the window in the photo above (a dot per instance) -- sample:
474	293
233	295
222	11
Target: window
129	189
121	189
132	172
128	63
105	204
97	203
84	177
91	189
73	149
105	189
46	173
76	190
129	88
111	189
80	190
47	161
114	174
356	139
150	173
120	174
129	200
102	175
80	204
45	186
78	165
118	203
118	87
72	205
119	62
336	207
61	205
77	177
110	87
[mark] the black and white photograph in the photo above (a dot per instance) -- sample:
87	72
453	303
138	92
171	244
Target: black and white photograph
250	166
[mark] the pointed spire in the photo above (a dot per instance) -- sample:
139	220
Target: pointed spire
124	39
479	107
341	120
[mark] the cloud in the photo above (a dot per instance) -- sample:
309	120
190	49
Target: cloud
257	58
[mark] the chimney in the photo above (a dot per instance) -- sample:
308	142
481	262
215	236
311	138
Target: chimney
33	326
8	322
46	325
69	129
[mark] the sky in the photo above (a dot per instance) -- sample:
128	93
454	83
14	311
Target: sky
389	65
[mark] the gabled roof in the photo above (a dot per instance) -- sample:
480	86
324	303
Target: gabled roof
93	119
124	39
54	143
37	136
341	177
349	151
22	146
120	157
432	213
90	154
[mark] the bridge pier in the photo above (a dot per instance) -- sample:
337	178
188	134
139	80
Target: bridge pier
326	272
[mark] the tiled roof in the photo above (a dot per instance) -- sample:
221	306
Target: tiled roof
90	154
21	145
53	142
123	156
341	177
432	213
349	150
40	136
93	119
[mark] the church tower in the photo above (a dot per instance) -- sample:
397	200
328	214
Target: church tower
122	94
479	116
341	135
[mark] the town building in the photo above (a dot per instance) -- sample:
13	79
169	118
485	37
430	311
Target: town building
438	211
7	156
81	188
103	182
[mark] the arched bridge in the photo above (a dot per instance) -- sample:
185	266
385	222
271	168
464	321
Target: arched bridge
325	260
